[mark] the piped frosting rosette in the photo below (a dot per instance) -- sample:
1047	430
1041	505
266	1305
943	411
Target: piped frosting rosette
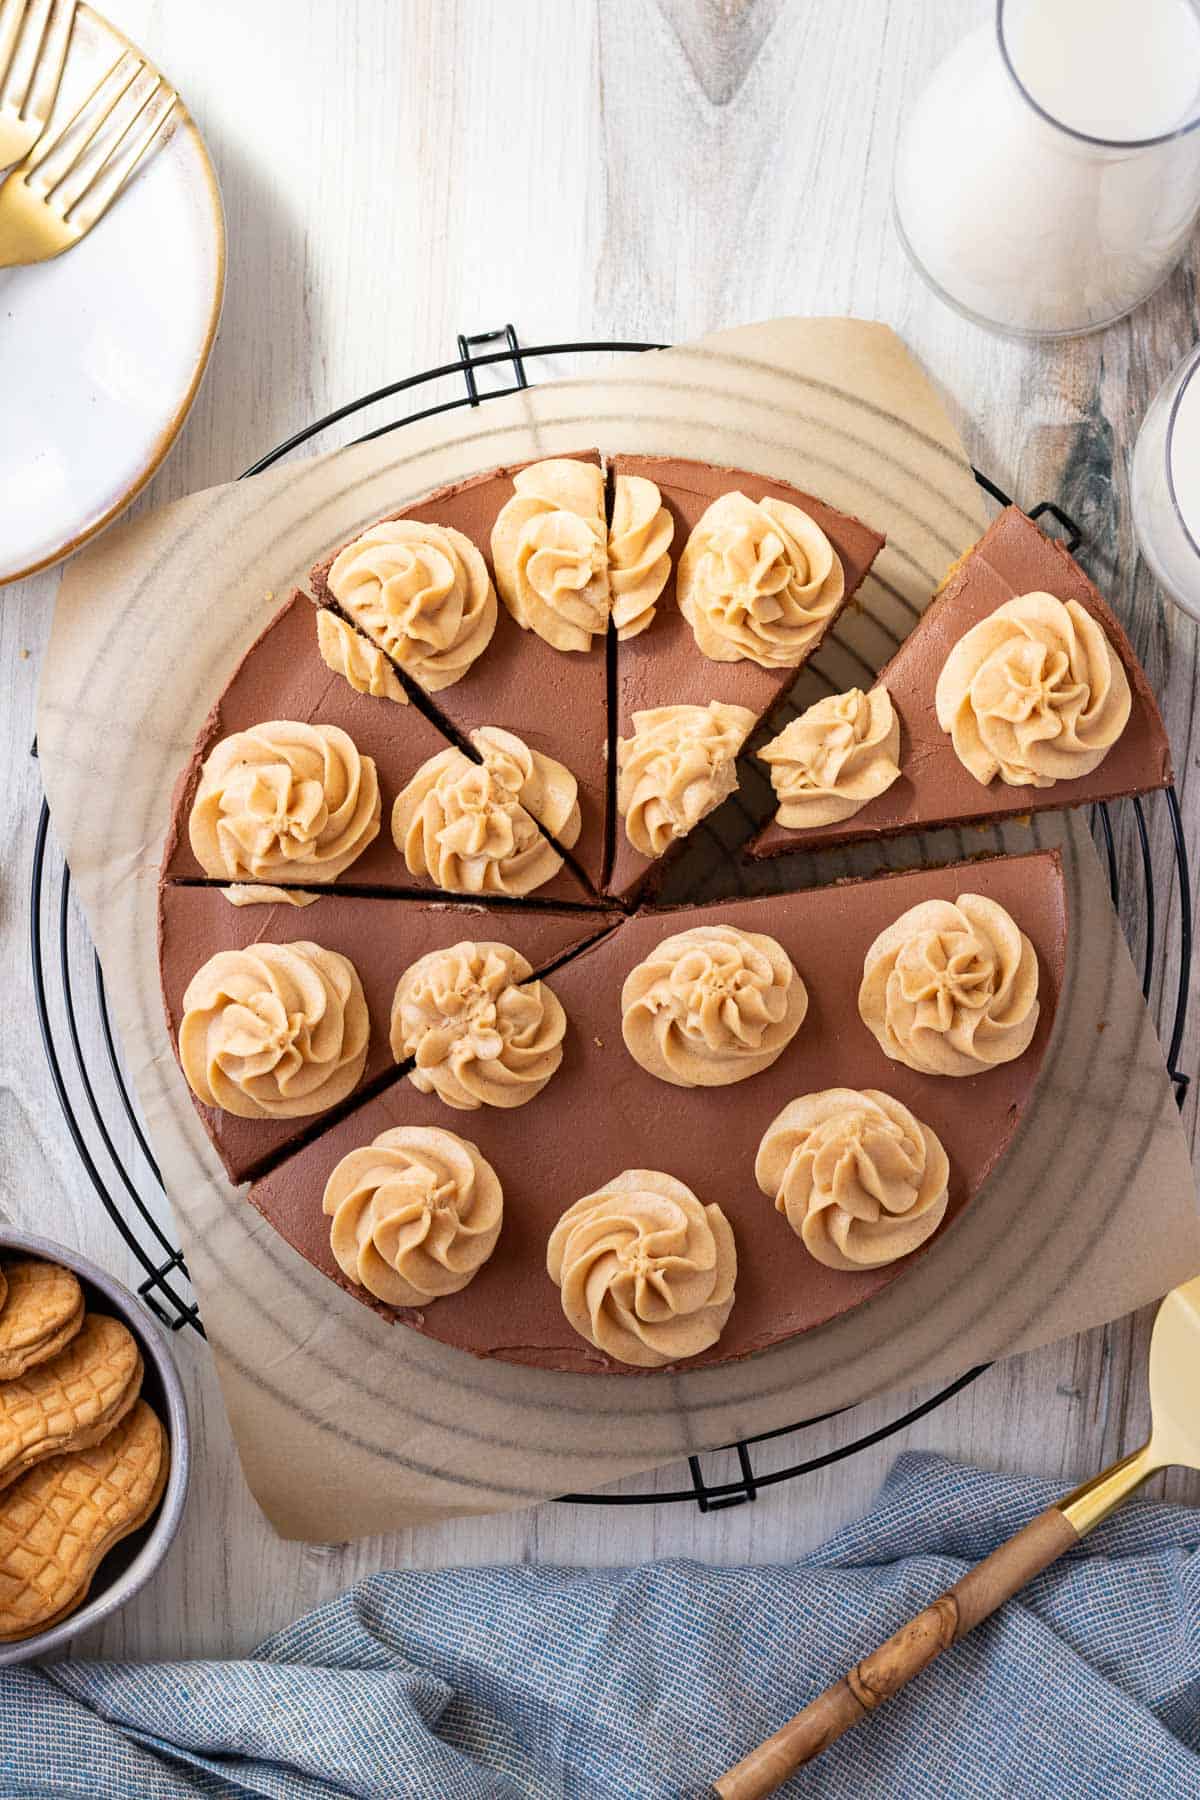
422	593
841	753
481	1031
859	1178
414	1215
678	766
274	1031
645	1271
711	1005
550	552
639	552
1034	693
473	828
284	799
758	579
356	659
951	988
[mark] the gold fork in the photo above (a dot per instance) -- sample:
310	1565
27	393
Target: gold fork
53	198
33	47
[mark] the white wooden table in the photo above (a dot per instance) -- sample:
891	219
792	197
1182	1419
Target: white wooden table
395	171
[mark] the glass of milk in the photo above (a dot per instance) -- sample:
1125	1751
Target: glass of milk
1165	485
1048	177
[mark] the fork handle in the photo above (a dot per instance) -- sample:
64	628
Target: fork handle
979	1592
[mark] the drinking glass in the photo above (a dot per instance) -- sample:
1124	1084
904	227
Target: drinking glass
1048	177
1165	485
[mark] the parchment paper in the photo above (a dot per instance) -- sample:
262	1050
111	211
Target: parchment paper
347	1425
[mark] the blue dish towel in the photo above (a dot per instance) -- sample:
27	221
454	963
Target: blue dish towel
639	1684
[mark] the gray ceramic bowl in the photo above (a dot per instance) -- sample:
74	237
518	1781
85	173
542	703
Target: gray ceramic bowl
129	1564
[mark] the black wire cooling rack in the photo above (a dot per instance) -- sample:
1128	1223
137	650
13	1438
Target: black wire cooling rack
94	1092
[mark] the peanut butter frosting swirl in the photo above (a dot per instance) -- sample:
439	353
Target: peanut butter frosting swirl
679	764
481	1031
841	753
349	654
859	1178
759	580
274	1031
414	1215
712	1005
639	552
422	593
951	987
1034	693
645	1271
550	552
284	799
251	893
473	828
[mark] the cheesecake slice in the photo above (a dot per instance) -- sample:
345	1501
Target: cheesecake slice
602	1112
1048	652
298	673
664	665
379	938
555	700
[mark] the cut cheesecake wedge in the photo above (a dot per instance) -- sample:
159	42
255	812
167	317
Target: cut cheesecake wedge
602	1112
283	676
379	937
663	665
555	700
935	788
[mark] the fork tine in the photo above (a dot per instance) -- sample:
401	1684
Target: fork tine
43	89
104	144
12	12
120	164
25	53
48	164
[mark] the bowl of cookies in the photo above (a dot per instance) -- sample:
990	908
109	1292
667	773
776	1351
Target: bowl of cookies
93	1446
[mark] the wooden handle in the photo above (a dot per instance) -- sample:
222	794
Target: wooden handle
883	1673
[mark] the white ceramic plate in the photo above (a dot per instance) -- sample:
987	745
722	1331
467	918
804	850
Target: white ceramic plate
102	350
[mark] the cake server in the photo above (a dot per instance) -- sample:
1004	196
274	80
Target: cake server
1174	1440
34	35
52	199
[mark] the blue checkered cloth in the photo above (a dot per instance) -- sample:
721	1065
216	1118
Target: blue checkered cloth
639	1684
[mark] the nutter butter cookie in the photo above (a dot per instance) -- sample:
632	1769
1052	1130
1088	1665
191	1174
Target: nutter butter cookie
71	1401
41	1311
59	1521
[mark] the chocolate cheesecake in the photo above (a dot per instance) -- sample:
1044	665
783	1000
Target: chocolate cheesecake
602	1113
663	665
934	787
379	937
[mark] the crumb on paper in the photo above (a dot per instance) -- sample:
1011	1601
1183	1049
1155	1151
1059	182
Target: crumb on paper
24	655
270	594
